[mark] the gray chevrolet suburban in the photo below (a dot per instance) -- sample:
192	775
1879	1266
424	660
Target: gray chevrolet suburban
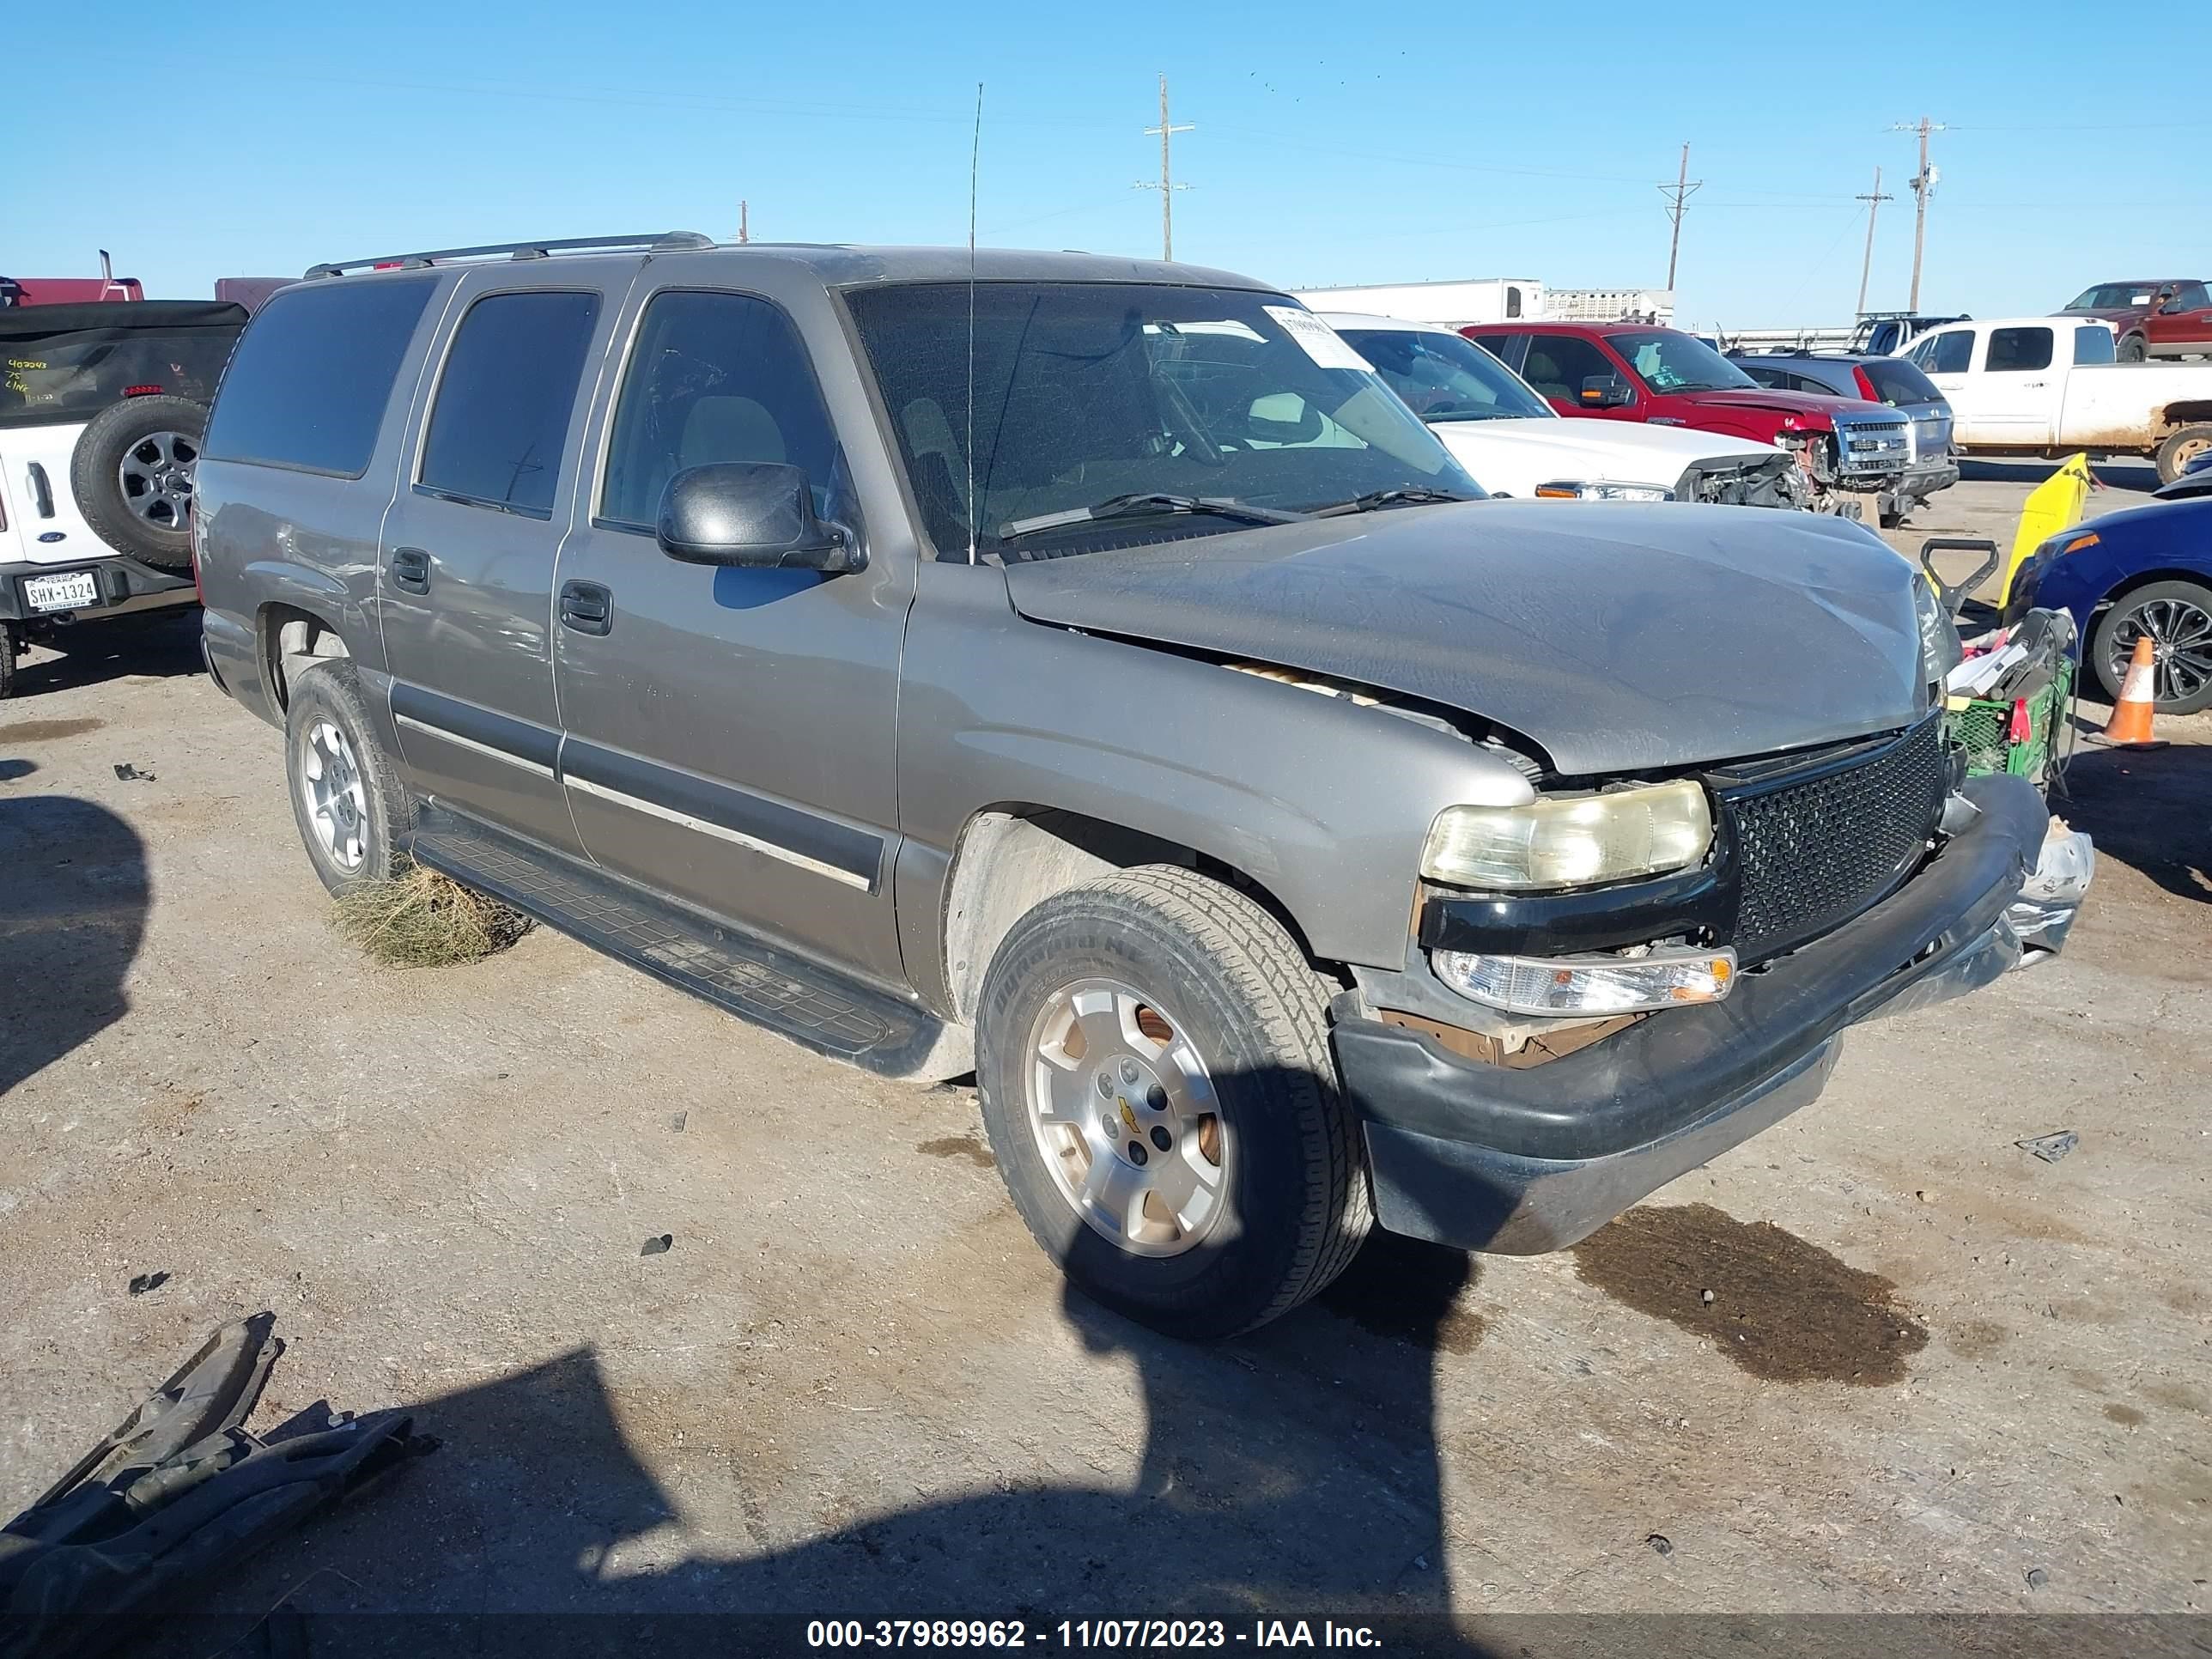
1085	671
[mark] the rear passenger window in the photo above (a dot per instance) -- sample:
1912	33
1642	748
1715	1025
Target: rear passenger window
308	385
2016	351
715	377
2093	345
505	400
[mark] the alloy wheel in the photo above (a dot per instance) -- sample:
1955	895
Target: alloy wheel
2181	646
156	477
337	805
1125	1118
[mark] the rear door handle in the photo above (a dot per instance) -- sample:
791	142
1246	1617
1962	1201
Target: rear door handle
587	607
410	569
42	493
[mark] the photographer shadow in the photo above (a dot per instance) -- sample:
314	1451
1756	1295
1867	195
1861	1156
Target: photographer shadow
1291	1474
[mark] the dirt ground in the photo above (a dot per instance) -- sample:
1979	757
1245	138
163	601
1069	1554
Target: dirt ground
1934	1374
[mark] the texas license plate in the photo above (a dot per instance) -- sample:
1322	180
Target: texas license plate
67	590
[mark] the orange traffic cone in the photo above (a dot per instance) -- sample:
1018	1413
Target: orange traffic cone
2131	714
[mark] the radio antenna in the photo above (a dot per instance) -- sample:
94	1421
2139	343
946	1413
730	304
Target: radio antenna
974	159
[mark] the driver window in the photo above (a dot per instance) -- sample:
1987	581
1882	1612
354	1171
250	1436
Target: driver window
715	377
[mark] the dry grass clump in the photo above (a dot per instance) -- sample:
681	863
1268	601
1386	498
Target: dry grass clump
420	919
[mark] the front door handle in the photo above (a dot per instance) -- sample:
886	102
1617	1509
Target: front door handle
587	607
410	569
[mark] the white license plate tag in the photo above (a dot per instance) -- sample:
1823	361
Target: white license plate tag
67	590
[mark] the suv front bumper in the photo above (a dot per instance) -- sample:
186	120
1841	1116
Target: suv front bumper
1519	1162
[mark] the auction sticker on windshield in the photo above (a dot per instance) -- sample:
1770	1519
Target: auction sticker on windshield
1317	339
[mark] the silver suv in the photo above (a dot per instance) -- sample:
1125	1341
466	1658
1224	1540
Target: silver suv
1085	671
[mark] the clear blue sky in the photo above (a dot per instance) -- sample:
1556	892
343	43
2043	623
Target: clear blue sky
1334	144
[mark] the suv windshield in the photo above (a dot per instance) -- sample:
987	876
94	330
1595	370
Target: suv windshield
1667	362
1088	393
1446	377
51	378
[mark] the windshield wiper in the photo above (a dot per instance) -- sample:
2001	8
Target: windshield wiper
1407	496
1115	506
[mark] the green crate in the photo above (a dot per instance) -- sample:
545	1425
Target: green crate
1980	726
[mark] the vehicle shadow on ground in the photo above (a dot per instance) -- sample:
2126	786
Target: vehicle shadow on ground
2151	808
2125	474
73	901
164	646
1290	1474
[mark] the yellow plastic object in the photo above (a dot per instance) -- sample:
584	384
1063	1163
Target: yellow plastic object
2051	506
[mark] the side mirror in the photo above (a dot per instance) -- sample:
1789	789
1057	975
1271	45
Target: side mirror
753	514
1606	391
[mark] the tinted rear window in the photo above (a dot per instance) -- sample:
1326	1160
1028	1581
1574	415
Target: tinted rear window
502	418
1896	381
73	376
314	373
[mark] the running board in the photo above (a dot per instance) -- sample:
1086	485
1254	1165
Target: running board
744	975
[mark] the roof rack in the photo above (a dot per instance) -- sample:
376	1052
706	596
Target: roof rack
665	241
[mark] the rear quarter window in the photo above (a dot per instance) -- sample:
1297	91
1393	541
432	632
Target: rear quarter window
1899	382
309	384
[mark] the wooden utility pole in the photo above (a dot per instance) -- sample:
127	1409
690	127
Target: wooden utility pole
1167	186
744	230
1874	200
1922	182
1681	190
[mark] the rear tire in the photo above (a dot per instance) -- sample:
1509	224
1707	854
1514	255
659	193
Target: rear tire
353	812
2178	615
1278	1203
2182	447
2133	349
132	474
9	647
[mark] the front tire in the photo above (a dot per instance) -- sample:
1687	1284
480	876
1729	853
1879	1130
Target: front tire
1153	1065
2177	615
2133	349
353	812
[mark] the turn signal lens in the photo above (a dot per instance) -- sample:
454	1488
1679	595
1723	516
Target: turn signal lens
1570	843
1589	985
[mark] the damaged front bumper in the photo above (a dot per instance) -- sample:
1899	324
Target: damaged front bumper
1522	1161
176	1498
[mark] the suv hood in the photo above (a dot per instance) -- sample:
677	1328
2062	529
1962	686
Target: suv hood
1583	449
1619	637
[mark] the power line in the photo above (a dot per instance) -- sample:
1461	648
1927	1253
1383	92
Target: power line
1874	199
1681	190
1922	182
1167	186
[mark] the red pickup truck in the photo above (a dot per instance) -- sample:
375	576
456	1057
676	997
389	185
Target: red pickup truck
1635	372
2170	317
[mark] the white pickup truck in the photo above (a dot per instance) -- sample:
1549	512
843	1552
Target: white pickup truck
2049	386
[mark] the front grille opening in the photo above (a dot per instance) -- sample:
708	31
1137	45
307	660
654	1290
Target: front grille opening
1815	853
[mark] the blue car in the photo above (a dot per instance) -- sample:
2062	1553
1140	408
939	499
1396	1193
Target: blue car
2145	570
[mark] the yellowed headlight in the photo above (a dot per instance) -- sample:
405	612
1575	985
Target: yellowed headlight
1576	842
